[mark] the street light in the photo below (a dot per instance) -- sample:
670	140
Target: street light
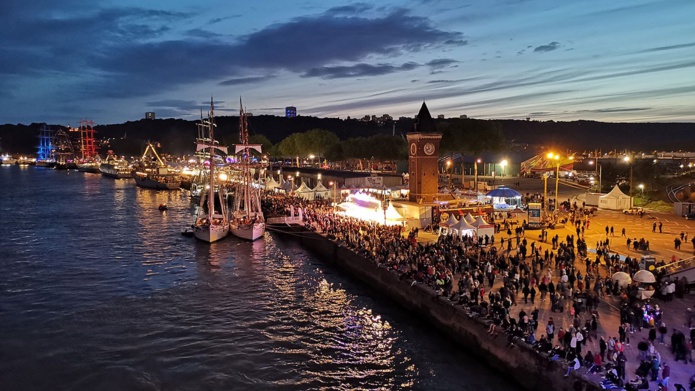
556	157
629	161
476	174
641	187
448	172
503	163
599	171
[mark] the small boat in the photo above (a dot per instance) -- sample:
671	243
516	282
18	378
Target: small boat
7	159
187	233
163	207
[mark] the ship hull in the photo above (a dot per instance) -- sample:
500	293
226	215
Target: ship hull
250	231
211	234
156	185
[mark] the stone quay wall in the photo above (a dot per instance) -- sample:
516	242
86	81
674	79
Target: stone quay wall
533	371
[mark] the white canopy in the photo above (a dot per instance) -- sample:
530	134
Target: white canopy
303	191
321	191
479	222
469	218
270	183
450	221
644	276
462	228
623	279
615	200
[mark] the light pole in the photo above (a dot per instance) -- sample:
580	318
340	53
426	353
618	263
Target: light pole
556	157
475	165
448	172
545	192
629	161
503	163
641	187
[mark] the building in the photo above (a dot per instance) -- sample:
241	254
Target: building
149	115
423	158
440	116
290	111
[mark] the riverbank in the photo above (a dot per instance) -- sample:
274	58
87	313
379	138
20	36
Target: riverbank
533	370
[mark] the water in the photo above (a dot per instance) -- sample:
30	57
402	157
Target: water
99	291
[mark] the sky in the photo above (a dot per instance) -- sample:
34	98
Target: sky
111	61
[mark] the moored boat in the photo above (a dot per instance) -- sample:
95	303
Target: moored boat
247	221
8	160
156	176
113	167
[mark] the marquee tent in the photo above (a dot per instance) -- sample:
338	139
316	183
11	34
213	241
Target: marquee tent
463	228
270	183
615	200
321	191
303	191
287	186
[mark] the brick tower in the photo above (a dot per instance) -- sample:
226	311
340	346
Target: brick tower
423	158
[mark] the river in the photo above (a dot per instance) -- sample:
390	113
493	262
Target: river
100	291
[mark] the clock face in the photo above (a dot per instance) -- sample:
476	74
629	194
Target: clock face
413	149
429	149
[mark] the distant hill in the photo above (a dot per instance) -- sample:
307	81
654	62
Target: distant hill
177	136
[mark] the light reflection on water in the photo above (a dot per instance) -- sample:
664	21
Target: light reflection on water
106	294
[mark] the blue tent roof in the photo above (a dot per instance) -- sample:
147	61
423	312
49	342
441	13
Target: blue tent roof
503	192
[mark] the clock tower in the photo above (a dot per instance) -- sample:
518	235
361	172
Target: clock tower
423	158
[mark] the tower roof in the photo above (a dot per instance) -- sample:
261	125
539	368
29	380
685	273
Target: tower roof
424	122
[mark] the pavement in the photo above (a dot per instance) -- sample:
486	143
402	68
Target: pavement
661	247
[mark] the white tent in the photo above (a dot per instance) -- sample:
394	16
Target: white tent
303	191
615	200
392	215
270	183
463	228
469	218
445	226
483	227
321	191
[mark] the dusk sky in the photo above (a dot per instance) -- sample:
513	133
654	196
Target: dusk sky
111	61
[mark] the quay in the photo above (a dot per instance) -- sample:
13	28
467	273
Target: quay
518	360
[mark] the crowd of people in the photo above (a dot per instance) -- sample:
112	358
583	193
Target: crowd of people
463	270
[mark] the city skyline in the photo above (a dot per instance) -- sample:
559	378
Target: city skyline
112	61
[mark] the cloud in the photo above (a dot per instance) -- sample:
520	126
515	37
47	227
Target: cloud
358	70
670	47
438	65
131	52
547	48
615	110
245	80
183	106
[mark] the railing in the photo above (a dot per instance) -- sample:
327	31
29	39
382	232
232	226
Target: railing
677	266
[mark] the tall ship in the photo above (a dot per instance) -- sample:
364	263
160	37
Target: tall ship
115	167
153	173
45	154
212	222
247	221
64	151
89	160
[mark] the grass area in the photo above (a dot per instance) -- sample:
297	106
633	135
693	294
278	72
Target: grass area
657	206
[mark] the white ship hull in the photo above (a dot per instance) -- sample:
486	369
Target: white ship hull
211	233
249	231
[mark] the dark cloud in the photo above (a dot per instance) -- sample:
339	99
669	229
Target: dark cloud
352	9
222	19
121	52
547	48
245	80
438	65
358	70
184	106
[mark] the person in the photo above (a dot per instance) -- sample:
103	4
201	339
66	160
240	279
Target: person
623	233
574	365
622	359
665	375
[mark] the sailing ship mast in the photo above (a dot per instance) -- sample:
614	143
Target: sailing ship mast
211	194
244	140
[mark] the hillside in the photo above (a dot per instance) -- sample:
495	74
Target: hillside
177	136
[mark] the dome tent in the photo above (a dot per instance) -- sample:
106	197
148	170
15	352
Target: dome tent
321	191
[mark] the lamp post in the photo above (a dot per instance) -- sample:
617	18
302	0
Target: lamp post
448	172
556	157
475	165
503	163
641	188
598	169
628	160
545	192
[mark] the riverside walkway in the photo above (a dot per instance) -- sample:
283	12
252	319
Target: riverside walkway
661	247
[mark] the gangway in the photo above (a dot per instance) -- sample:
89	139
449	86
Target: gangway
681	268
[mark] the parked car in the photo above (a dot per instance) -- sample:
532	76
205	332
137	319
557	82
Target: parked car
633	211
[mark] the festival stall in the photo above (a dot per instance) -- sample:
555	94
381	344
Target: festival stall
504	198
623	279
615	200
320	191
483	228
446	224
270	183
645	281
303	191
463	228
